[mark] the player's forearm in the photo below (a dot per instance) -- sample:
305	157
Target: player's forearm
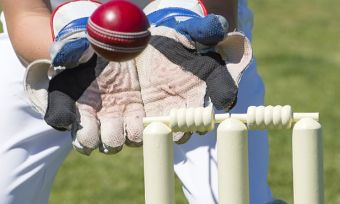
28	25
226	8
30	40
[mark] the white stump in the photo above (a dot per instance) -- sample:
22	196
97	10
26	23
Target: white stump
158	164
307	162
232	155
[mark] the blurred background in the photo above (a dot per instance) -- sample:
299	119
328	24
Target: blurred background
298	55
297	47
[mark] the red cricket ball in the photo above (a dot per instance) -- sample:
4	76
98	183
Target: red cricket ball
118	30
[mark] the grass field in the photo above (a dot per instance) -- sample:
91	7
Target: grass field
298	54
299	58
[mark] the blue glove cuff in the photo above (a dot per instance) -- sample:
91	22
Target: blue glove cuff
208	30
166	16
70	53
74	26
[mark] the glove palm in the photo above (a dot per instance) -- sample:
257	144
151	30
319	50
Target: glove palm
180	76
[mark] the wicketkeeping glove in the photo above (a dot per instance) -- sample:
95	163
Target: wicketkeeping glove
186	69
101	102
98	100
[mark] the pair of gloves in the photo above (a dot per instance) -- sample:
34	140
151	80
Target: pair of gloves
190	61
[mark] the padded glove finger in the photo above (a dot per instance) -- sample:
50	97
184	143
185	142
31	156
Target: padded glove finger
133	123
118	88
85	131
61	111
65	89
112	134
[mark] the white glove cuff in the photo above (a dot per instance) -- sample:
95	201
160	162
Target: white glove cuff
70	11
237	52
36	82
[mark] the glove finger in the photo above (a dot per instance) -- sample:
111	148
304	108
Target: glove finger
133	123
163	107
181	137
60	113
221	88
112	134
66	88
86	130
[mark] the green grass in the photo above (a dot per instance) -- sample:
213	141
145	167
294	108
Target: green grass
298	56
102	179
297	48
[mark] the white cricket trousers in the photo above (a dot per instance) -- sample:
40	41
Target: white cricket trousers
31	151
